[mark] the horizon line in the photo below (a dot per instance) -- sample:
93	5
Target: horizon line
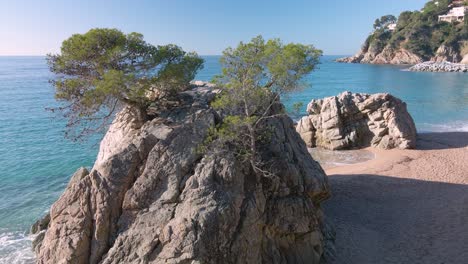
35	55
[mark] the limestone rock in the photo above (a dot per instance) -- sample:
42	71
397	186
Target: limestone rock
151	197
358	120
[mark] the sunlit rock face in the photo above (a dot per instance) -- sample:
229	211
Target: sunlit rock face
152	197
350	121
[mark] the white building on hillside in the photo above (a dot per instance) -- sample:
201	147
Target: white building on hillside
392	27
455	14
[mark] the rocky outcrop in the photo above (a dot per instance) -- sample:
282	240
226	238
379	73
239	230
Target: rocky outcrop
414	38
152	197
447	54
38	229
387	56
444	66
350	121
465	59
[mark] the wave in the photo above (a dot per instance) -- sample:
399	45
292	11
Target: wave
455	126
15	248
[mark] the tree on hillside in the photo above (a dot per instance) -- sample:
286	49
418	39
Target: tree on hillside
99	72
404	19
254	76
384	21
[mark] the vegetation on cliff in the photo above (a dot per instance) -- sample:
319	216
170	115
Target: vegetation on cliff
419	33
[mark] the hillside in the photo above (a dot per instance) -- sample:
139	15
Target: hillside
418	36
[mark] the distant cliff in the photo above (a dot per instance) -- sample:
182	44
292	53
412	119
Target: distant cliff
417	36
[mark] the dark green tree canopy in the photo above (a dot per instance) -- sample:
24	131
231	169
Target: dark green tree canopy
384	21
104	69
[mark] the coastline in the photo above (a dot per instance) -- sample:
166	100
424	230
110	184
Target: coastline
404	206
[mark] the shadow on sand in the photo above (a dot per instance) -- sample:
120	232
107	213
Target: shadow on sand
444	140
381	219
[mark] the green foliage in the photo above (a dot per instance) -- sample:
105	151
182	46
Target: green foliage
421	32
254	76
384	21
98	72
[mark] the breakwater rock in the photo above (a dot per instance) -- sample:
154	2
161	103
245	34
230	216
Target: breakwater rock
430	66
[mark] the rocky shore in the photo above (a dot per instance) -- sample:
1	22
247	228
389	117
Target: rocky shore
431	66
152	197
372	55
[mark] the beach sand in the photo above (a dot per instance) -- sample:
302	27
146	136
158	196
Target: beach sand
404	206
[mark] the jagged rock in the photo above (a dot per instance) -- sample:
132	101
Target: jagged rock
403	56
151	197
358	120
465	59
387	56
38	229
40	224
444	66
447	54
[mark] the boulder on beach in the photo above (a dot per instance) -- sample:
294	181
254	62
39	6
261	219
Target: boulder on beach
354	120
153	197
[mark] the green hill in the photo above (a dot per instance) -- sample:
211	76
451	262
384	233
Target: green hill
418	36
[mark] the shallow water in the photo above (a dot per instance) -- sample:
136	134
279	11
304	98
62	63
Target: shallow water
333	158
36	161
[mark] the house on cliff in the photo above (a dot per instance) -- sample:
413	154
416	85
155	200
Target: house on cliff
392	26
456	14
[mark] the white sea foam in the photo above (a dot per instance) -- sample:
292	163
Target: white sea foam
455	126
15	248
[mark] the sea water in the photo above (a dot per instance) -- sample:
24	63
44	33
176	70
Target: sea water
36	161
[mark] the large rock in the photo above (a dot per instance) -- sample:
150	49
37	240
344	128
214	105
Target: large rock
152	197
447	54
350	121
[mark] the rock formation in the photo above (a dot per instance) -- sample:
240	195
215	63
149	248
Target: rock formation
447	54
350	121
152	197
416	36
430	66
386	56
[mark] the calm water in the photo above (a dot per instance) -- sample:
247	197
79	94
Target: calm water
36	161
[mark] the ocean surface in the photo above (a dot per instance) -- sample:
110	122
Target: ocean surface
36	161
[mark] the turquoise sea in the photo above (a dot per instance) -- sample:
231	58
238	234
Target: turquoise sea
36	161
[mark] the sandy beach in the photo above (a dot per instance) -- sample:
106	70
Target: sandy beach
404	206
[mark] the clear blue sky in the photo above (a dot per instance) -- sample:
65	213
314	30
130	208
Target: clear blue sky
37	27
